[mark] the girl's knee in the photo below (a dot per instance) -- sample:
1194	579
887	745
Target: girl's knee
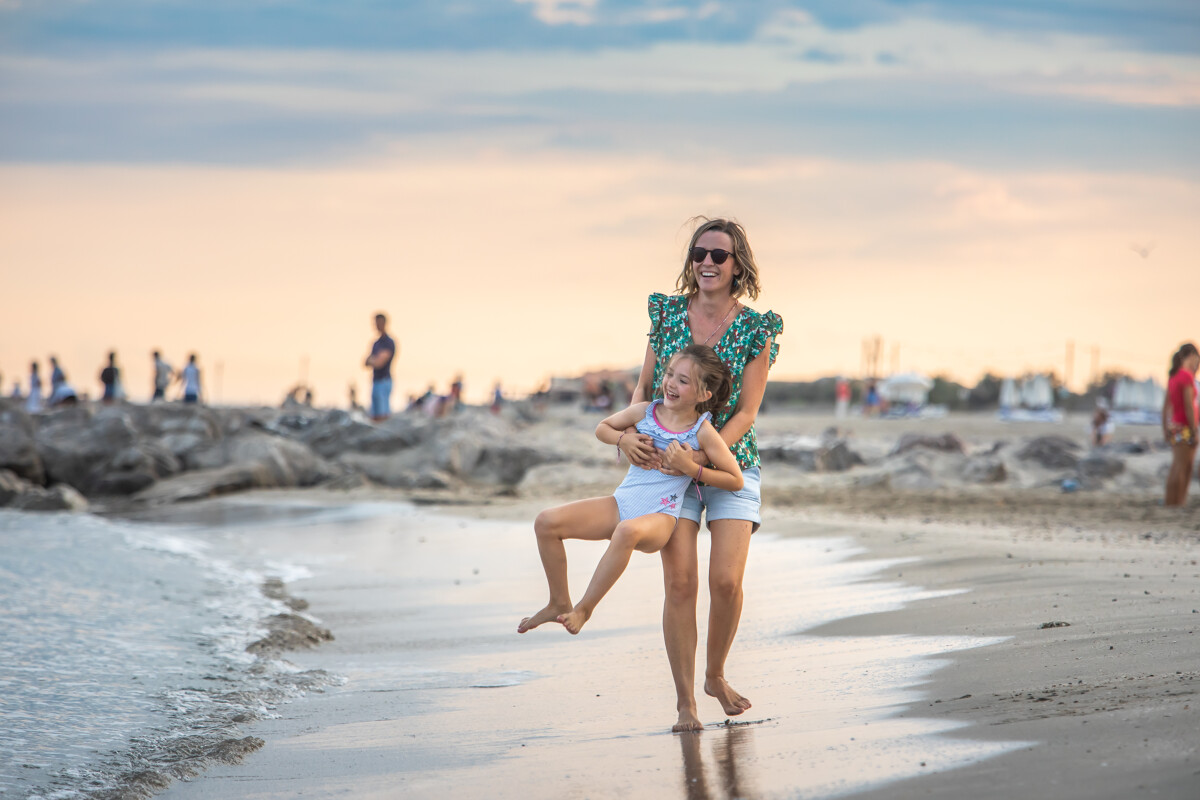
547	522
626	536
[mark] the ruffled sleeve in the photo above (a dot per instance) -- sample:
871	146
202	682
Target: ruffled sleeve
770	326
656	305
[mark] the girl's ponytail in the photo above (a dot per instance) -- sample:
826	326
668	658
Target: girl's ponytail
1185	350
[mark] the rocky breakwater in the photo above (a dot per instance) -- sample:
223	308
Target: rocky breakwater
922	461
132	454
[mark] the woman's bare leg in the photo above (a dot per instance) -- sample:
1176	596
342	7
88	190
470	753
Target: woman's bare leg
646	534
592	519
681	579
726	568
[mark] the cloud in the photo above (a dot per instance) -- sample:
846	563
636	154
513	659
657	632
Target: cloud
563	12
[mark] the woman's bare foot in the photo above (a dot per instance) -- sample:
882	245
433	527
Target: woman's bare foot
731	701
573	620
550	612
688	721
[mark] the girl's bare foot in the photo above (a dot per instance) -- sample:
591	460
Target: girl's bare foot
550	612
731	701
688	721
573	620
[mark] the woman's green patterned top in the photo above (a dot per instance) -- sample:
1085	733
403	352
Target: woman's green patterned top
738	346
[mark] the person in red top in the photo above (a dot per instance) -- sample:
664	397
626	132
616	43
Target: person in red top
1179	421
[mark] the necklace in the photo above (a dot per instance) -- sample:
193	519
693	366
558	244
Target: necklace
719	324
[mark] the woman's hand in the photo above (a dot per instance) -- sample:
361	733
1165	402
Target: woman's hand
696	457
640	450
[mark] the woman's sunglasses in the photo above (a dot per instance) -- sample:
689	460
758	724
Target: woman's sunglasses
718	256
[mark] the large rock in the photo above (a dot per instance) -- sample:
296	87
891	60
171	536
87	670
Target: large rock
400	471
984	469
946	443
1053	452
1101	465
18	452
79	451
836	457
830	455
17	493
335	432
206	483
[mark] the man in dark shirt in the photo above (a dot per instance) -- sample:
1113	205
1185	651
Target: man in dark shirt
380	362
110	376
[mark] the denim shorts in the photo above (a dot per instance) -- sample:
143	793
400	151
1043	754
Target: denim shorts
746	503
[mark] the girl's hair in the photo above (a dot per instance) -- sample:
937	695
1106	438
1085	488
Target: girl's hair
1186	350
745	281
712	374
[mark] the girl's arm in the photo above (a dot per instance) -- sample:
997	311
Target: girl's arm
724	472
611	428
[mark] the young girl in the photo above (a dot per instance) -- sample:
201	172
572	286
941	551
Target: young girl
642	512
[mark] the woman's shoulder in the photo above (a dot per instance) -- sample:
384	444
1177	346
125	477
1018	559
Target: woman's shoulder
762	319
660	300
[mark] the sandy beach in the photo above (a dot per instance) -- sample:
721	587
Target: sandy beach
908	631
892	650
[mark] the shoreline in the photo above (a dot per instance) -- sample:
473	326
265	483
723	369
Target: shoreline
1104	723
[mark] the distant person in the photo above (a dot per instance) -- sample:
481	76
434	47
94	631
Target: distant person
61	393
162	377
190	377
33	403
643	511
431	402
841	393
451	402
354	406
380	362
1179	421
110	376
871	399
497	398
1102	424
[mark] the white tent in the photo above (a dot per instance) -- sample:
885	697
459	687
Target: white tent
909	388
1131	395
1037	393
1009	396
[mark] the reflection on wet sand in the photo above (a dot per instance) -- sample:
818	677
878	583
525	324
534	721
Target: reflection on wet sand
730	746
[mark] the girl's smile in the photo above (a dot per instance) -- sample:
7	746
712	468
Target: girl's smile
680	388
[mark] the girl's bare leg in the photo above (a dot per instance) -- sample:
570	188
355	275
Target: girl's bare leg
585	519
681	579
726	568
646	534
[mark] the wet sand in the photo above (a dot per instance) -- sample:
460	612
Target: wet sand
886	658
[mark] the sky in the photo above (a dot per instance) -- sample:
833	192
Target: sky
983	186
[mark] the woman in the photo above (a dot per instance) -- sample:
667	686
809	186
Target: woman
718	270
1179	421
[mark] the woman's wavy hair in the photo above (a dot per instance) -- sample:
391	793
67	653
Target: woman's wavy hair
745	282
1185	350
712	374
